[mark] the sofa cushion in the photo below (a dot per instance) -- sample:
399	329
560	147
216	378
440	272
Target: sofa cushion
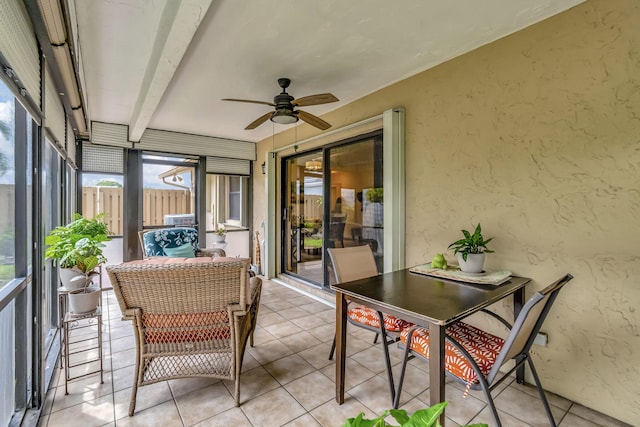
184	251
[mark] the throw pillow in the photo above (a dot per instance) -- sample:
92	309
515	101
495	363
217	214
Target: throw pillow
184	251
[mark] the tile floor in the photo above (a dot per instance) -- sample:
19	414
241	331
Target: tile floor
287	380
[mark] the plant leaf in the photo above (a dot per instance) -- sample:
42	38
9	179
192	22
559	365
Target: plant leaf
400	415
426	417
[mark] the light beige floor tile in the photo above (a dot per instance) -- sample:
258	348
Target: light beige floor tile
283	330
332	414
165	414
121	344
147	397
328	316
507	420
594	416
355	373
324	332
571	420
261	336
123	378
278	306
373	358
269	352
312	390
304	421
274	408
288	368
253	383
233	418
204	403
293	313
316	307
308	322
317	356
181	386
249	362
81	390
459	409
90	413
122	359
525	407
552	398
374	394
269	319
300	341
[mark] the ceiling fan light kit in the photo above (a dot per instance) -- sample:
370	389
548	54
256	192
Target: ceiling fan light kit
284	117
284	108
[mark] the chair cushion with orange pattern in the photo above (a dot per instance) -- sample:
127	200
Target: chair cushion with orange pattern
482	346
369	317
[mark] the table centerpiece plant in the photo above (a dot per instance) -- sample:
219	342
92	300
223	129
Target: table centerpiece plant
470	250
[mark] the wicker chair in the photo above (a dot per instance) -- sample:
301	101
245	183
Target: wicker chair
191	317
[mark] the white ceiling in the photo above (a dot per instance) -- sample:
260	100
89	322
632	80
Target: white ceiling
166	64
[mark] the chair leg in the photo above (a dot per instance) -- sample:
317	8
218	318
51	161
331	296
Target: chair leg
333	348
487	396
375	339
552	422
385	344
405	358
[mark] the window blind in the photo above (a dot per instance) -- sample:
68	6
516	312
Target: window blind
97	158
18	45
226	166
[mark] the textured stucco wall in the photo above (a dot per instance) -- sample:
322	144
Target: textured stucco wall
537	136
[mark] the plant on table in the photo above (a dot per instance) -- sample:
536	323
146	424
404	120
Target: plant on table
422	418
473	245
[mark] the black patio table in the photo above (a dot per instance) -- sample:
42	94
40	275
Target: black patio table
427	301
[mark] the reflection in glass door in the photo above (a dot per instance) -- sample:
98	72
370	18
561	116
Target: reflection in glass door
333	199
302	218
355	188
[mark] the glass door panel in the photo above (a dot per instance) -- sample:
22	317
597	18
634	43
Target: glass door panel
355	189
302	225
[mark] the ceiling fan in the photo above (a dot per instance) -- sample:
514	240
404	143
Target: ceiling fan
284	108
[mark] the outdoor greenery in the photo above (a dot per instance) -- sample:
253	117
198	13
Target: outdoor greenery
78	244
423	418
471	244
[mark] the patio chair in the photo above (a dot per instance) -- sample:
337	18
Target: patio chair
191	317
156	242
474	357
357	262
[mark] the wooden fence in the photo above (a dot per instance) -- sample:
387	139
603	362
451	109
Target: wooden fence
156	203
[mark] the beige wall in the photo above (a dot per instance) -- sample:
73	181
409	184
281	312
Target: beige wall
537	136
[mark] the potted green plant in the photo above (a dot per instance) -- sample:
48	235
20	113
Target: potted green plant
219	234
423	418
470	250
77	248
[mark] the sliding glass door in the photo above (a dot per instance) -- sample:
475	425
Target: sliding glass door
333	198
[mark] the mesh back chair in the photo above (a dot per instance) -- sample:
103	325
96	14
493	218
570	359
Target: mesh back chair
190	319
355	263
154	242
475	357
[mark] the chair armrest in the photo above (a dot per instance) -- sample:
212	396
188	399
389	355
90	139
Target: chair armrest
498	317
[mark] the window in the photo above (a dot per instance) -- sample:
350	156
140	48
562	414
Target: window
102	193
227	201
7	185
169	193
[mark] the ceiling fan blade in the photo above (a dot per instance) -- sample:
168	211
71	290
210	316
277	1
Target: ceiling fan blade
313	120
321	98
260	120
271	104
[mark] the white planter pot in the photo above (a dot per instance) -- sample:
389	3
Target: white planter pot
72	279
81	302
219	238
473	264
